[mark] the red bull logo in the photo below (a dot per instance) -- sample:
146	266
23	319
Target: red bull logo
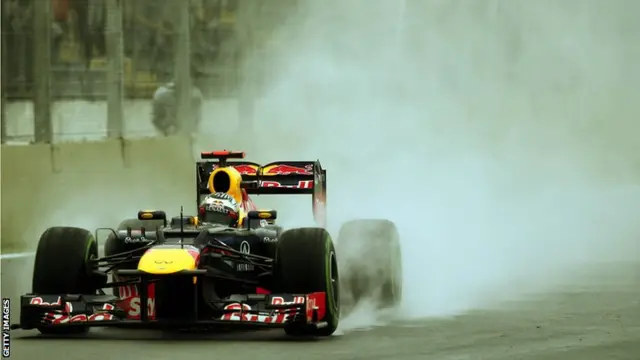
283	169
246	169
279	169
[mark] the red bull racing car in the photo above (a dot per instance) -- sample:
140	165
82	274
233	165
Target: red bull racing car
184	274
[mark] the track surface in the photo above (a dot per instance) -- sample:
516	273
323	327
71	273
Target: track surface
598	318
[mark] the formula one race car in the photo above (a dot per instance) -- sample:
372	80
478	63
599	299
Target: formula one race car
185	274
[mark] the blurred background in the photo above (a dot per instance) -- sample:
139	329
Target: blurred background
66	64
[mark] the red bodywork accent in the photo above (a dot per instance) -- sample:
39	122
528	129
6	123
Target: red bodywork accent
252	170
247	203
246	169
222	154
316	301
240	312
284	309
131	304
287	170
302	184
67	314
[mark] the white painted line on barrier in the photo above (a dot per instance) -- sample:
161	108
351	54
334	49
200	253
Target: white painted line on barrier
16	255
27	254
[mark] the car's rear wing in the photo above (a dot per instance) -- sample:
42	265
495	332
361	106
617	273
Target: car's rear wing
275	178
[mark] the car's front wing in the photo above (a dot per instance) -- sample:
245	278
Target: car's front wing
254	310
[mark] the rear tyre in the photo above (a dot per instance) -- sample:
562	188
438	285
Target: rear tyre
62	266
306	263
370	262
136	224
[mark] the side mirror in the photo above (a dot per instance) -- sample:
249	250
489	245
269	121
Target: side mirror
262	215
176	221
153	215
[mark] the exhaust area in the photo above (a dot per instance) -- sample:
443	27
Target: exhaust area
500	136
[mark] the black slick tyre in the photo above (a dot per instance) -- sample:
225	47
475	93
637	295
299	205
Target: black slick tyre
306	263
62	266
371	262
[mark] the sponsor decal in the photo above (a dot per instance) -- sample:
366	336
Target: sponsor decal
279	300
133	308
147	215
240	314
316	303
245	248
57	318
284	169
127	291
311	308
136	240
279	169
131	303
67	314
222	196
217	208
41	302
246	169
303	184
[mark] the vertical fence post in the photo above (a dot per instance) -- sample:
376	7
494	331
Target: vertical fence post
42	126
3	75
115	69
246	67
132	34
184	88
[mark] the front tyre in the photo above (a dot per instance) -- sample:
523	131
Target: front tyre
306	263
63	266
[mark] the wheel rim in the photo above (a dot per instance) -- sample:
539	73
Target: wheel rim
397	274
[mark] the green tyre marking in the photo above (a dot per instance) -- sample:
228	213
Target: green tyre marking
87	252
330	289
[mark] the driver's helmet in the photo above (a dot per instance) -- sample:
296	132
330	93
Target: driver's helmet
219	208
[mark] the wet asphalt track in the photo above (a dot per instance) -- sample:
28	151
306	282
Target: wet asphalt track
599	319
